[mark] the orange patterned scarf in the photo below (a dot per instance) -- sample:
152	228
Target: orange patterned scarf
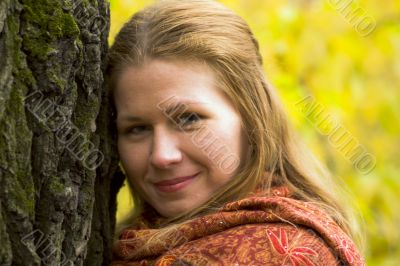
258	230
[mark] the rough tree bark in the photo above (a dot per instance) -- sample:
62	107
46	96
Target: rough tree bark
58	162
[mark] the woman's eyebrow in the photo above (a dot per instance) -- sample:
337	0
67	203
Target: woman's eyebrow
172	108
129	118
179	106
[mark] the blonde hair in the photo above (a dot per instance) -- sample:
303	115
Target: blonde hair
206	31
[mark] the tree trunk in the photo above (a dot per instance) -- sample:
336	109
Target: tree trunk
58	162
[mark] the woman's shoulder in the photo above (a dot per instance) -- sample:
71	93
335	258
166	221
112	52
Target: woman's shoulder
256	244
257	230
266	231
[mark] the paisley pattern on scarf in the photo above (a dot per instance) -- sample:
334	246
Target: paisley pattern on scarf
258	230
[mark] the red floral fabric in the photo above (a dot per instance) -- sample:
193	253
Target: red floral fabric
258	230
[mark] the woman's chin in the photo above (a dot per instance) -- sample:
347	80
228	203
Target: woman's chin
171	212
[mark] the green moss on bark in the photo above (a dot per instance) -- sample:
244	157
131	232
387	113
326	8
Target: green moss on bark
56	186
19	144
49	16
38	48
63	25
51	23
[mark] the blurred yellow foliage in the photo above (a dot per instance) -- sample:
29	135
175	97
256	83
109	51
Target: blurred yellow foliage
325	49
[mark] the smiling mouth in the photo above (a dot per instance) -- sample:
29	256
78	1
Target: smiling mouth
175	184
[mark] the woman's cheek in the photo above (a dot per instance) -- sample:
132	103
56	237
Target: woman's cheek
132	157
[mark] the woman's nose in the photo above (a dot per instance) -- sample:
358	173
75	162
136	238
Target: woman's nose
165	149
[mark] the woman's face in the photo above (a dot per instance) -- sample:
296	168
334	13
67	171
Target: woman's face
179	137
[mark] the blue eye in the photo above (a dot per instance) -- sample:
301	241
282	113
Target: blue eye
187	119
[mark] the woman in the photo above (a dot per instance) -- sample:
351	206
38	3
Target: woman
216	175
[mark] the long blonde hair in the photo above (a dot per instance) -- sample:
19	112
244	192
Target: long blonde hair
206	31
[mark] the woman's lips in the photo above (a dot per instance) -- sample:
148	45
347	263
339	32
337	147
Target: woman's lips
175	184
